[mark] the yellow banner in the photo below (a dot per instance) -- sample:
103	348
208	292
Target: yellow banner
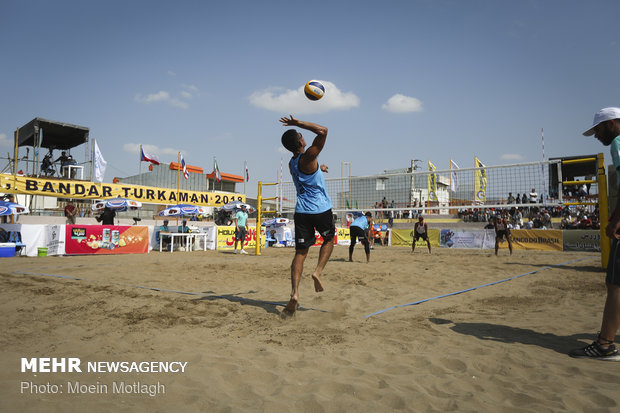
432	182
344	234
226	238
95	190
404	238
480	181
535	239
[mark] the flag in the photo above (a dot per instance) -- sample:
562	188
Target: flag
100	164
185	173
455	176
218	175
145	157
432	183
480	181
247	174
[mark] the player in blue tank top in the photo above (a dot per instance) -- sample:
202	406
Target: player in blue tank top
313	210
359	230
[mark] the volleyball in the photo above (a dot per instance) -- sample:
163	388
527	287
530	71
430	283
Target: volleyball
314	90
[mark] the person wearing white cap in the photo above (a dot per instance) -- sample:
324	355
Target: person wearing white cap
606	128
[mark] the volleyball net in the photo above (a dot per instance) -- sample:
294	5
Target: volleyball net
443	191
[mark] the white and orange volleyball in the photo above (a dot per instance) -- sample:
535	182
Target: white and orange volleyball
314	90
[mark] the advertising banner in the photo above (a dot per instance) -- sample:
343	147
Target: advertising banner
106	239
476	239
55	241
404	237
535	239
95	190
343	236
480	181
226	238
581	240
432	182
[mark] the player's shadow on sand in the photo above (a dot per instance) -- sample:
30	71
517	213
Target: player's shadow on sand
268	306
507	334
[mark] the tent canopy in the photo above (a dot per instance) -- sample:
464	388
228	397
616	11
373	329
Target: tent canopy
56	135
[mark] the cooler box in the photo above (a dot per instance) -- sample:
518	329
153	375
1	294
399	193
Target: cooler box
7	249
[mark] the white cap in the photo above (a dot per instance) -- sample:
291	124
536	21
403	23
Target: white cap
602	116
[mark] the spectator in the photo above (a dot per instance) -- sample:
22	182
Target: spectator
183	228
164	239
533	197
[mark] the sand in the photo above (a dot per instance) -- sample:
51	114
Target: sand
497	348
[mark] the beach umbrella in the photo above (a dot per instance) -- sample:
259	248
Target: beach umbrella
11	208
236	206
183	209
276	222
116	204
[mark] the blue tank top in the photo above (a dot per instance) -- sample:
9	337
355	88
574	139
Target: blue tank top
361	222
312	197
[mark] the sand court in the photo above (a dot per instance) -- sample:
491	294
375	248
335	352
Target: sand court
499	346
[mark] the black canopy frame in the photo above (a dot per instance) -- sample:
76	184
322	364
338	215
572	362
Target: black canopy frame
44	133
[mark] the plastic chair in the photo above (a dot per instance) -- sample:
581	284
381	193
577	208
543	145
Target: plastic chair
16	238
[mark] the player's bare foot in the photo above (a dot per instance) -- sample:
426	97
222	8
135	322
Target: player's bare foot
318	286
291	307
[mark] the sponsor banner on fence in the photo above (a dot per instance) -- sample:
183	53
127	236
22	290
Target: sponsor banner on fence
55	241
343	236
477	238
581	240
95	190
404	237
535	239
226	238
106	239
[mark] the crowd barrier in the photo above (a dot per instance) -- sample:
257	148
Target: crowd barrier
99	239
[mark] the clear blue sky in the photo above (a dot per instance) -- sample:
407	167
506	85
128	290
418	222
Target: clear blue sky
405	79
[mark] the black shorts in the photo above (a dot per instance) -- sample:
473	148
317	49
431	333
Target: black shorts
613	266
305	224
417	236
358	234
502	233
240	234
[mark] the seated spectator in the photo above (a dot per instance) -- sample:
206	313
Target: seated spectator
585	223
183	228
47	167
164	239
70	162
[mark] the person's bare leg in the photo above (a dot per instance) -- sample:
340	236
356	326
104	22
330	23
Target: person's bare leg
429	246
611	315
324	254
496	245
413	246
297	267
509	245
